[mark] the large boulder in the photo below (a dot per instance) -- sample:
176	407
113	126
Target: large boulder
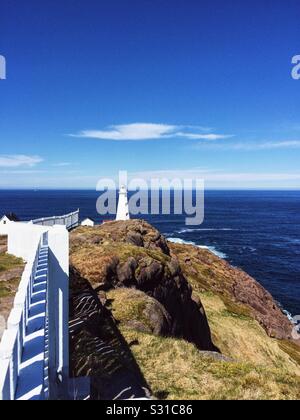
135	232
135	255
136	310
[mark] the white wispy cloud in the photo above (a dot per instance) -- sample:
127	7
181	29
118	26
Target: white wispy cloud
293	144
62	164
253	146
212	137
218	175
149	131
15	161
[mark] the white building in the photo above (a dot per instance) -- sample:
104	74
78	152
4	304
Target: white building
123	208
88	222
5	221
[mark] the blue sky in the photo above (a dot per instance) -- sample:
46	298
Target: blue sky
156	87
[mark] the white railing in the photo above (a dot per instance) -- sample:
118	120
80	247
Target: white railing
58	312
70	220
55	353
12	343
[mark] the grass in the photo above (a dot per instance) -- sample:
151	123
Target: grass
134	309
176	370
291	349
8	262
8	288
261	368
242	338
129	305
234	329
92	261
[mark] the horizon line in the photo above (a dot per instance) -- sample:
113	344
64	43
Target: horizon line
161	189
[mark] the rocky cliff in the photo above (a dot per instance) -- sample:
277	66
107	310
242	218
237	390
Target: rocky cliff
239	291
132	292
135	255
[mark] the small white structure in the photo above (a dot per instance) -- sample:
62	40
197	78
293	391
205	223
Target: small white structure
88	222
5	221
123	208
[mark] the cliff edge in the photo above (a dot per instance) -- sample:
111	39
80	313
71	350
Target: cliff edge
177	318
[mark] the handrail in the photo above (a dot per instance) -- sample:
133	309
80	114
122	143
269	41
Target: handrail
70	220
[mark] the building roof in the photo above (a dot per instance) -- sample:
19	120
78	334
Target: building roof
12	217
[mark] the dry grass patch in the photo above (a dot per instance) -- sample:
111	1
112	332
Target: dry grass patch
10	273
9	265
98	264
242	338
128	306
134	309
8	262
176	370
8	288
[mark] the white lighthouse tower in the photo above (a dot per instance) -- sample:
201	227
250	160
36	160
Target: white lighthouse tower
123	208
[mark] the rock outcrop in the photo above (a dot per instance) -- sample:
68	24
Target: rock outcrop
136	310
137	318
135	255
239	291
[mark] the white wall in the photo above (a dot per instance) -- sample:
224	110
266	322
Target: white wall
4	222
23	238
24	241
58	310
87	222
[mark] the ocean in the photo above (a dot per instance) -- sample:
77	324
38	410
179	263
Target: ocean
258	231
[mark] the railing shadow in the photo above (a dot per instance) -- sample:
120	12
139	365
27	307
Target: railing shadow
98	349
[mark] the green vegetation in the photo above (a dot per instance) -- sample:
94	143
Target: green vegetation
242	318
8	288
8	262
234	328
291	349
242	338
260	367
175	369
135	309
128	305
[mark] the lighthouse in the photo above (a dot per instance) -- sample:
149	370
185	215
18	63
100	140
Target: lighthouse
123	209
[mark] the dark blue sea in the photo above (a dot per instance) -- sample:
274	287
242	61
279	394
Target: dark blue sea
258	231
